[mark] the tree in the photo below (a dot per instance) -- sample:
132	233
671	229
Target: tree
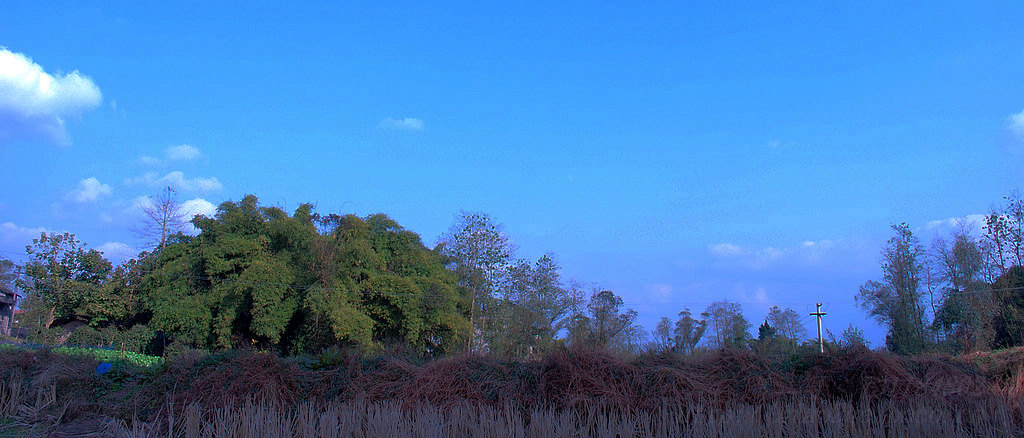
302	283
896	301
662	338
965	315
785	332
853	338
728	326
688	331
1009	322
1004	233
163	218
786	323
66	277
477	251
605	325
531	310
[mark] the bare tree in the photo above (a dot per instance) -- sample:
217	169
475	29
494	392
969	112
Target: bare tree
164	217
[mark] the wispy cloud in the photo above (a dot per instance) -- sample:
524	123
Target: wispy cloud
406	124
762	257
89	190
177	179
660	292
758	296
34	103
181	152
973	223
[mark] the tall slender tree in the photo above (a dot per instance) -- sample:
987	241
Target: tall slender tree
478	251
897	300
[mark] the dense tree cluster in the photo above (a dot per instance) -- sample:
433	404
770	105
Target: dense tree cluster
961	294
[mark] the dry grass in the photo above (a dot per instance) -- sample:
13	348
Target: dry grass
568	393
391	419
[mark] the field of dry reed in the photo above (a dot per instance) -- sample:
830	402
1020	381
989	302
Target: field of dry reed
569	393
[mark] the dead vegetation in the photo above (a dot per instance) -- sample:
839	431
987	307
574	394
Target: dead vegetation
568	393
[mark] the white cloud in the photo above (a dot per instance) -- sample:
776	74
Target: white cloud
660	292
406	124
176	179
1016	126
182	152
34	103
726	250
760	296
198	206
140	203
117	251
972	222
14	238
89	190
762	257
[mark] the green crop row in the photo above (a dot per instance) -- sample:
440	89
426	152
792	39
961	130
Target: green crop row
101	354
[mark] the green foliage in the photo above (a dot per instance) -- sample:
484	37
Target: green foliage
69	279
135	339
257	276
1009	321
113	356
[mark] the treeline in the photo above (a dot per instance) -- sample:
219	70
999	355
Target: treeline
258	277
961	293
254	276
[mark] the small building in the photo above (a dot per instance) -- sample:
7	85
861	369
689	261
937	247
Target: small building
7	300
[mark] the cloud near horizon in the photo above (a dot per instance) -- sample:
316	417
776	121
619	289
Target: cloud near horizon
974	224
14	238
34	103
405	124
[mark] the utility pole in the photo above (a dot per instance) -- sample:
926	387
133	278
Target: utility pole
819	314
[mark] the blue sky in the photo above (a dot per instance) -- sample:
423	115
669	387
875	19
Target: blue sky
676	154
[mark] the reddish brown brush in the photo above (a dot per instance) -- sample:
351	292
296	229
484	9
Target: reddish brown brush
572	380
742	376
478	380
1005	371
386	379
242	377
580	378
